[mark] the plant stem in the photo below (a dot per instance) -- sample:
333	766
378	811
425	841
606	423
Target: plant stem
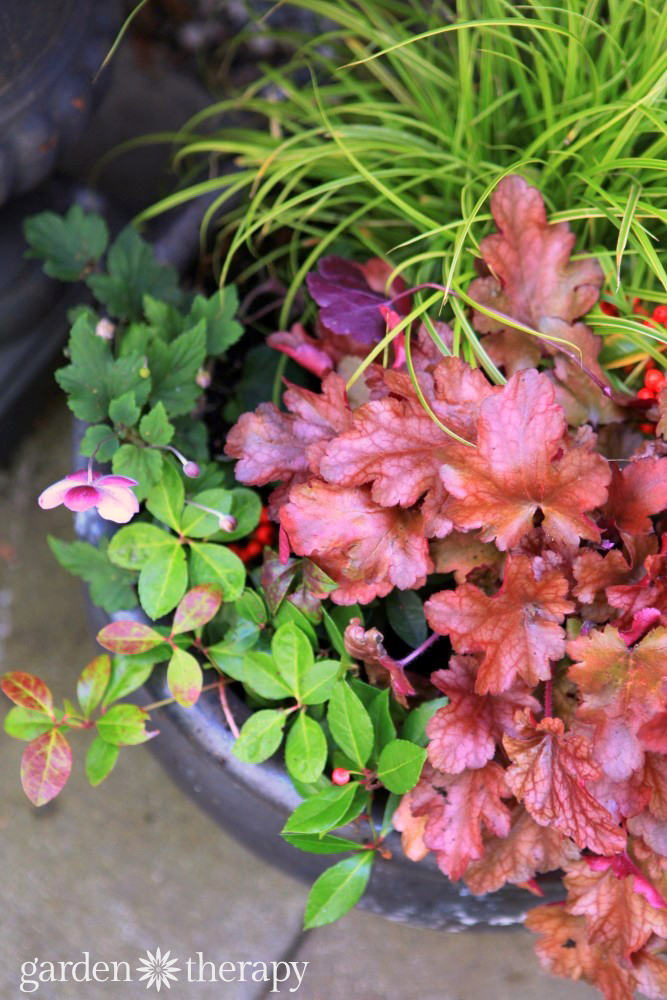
234	729
419	650
171	701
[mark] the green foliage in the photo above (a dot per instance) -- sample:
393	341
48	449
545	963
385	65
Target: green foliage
132	273
400	765
68	244
337	890
111	587
405	612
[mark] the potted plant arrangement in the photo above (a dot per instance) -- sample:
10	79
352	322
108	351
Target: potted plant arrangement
438	593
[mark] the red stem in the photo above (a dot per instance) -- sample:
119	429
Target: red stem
419	650
226	709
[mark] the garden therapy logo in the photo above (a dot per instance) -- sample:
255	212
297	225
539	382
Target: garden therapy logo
157	970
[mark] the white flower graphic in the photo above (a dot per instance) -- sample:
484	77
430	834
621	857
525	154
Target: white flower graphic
158	969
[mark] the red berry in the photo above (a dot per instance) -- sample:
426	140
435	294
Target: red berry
238	550
340	776
649	364
252	550
608	308
654	380
645	394
647	428
660	315
264	516
265	534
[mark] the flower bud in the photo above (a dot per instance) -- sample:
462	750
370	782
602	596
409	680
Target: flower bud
191	470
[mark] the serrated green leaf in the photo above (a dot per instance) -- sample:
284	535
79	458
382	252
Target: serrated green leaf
166	321
173	368
184	678
166	498
400	765
93	438
133	545
142	464
305	749
350	724
222	330
111	588
100	760
163	580
124	725
124	410
260	737
132	273
26	724
155	427
406	616
67	244
211	563
337	890
261	674
293	655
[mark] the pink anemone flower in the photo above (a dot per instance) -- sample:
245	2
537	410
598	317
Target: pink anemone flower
112	495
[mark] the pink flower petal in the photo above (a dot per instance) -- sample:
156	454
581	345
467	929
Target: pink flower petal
54	495
123	481
81	498
117	503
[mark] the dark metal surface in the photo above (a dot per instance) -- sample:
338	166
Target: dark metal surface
49	54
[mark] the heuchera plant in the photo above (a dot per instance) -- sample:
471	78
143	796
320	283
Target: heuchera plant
522	521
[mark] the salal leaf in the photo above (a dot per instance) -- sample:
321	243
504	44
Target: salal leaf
184	678
293	655
305	749
261	736
129	637
414	727
211	563
100	760
28	691
318	681
406	616
197	608
93	683
400	765
163	580
26	724
337	890
350	724
45	767
322	812
324	844
383	724
134	544
165	499
124	725
260	673
128	673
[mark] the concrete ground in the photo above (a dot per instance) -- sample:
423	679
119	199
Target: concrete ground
133	864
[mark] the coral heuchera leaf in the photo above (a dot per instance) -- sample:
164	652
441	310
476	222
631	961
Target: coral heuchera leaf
549	774
523	464
367	549
197	608
128	637
518	629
